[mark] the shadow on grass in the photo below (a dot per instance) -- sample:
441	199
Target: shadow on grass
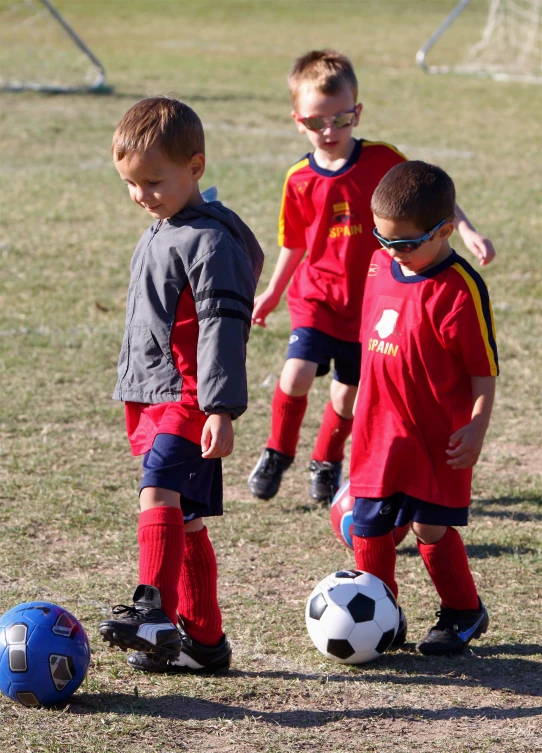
177	706
480	551
510	510
483	668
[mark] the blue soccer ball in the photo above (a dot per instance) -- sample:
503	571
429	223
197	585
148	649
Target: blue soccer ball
44	654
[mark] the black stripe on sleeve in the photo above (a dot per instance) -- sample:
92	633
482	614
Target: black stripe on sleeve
218	313
486	307
218	293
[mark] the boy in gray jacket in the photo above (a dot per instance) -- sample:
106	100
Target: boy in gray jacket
182	377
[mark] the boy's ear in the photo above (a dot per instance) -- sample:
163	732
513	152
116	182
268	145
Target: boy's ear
359	108
446	230
197	166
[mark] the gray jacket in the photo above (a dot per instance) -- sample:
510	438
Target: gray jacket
211	249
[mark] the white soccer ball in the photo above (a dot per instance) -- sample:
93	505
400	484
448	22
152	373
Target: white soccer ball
352	617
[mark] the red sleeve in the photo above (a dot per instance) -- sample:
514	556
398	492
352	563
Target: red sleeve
292	222
466	333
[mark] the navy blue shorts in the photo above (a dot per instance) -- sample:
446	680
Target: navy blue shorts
378	516
175	463
310	344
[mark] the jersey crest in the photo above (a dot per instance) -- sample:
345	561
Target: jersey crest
386	325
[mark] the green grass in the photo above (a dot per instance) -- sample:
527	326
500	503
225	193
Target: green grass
69	485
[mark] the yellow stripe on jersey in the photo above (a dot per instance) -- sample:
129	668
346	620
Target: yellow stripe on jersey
383	143
298	166
489	337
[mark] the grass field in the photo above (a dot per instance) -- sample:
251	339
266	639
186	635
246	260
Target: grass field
69	485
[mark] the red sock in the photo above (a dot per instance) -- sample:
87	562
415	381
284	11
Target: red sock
197	593
287	414
447	564
400	532
334	431
376	555
161	548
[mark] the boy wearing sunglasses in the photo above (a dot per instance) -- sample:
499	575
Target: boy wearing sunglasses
426	392
326	215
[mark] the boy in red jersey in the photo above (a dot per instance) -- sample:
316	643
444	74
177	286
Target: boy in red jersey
426	392
182	377
326	214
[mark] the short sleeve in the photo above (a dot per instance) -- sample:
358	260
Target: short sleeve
469	333
292	222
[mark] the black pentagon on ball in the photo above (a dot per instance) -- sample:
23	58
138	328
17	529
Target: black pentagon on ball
390	596
348	574
317	607
339	648
362	608
385	642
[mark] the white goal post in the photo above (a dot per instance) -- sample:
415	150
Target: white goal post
510	47
40	51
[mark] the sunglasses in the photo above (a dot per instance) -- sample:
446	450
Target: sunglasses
342	120
407	245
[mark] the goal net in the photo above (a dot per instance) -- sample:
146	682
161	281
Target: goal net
40	51
509	48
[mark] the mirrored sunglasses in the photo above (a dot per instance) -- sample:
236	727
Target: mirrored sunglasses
408	244
341	120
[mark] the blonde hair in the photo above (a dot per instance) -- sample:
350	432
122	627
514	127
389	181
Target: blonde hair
162	121
327	71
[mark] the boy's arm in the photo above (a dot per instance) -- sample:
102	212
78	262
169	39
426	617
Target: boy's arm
266	302
477	244
223	284
467	442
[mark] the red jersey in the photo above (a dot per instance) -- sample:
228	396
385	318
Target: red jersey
329	214
183	418
423	338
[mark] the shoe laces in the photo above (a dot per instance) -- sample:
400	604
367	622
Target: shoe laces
323	472
271	464
446	620
135	612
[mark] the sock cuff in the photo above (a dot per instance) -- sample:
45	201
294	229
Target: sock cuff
290	398
197	538
445	541
164	515
337	416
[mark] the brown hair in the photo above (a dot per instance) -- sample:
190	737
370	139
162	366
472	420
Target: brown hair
327	71
417	192
163	121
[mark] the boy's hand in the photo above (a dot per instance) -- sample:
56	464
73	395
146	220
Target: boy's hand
478	245
264	304
217	436
467	444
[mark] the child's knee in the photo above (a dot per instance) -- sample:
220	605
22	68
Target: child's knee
428	534
297	376
343	397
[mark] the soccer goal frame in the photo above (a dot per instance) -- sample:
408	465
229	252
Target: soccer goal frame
97	84
472	69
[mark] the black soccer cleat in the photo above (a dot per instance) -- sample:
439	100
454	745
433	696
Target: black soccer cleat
454	630
194	658
264	481
325	480
143	626
401	634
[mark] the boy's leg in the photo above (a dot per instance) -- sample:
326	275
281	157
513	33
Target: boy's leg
374	547
328	453
205	647
462	616
287	411
149	625
197	591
